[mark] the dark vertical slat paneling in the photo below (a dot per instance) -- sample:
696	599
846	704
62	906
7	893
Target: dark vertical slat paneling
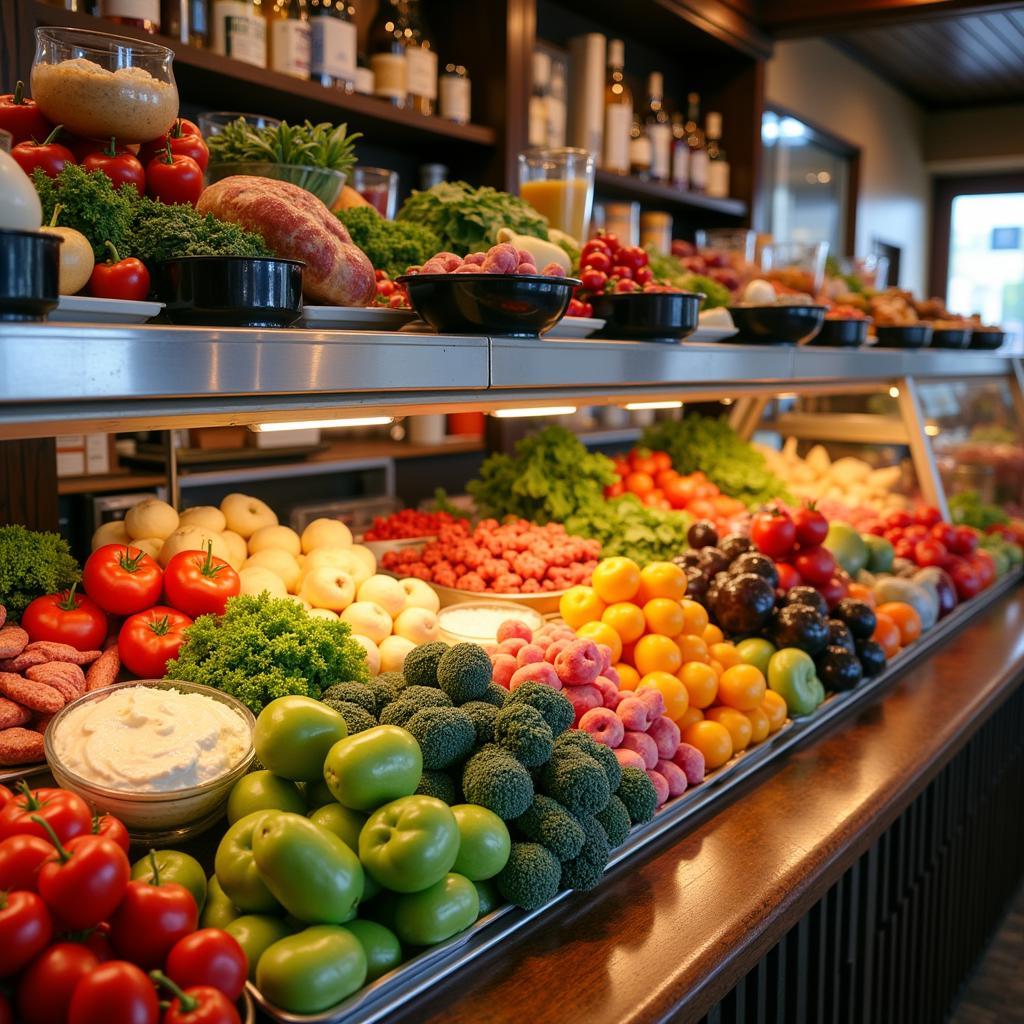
894	938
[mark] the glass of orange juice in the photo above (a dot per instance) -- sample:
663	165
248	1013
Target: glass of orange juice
559	183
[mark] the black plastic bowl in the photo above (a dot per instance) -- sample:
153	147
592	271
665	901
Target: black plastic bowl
230	291
776	325
910	336
988	341
648	316
951	337
29	274
846	333
504	305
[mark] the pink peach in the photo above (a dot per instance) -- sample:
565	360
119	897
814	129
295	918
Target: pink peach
643	745
514	628
674	776
555	648
691	760
512	645
634	713
666	734
583	698
529	654
653	699
578	663
538	672
660	784
502	669
630	758
606	657
604	726
610	695
612	676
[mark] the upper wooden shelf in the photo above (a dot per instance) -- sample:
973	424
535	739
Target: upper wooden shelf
651	193
221	83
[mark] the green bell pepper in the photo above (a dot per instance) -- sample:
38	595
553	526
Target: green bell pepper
263	791
256	933
381	946
346	824
219	911
236	868
372	767
484	842
428	917
293	734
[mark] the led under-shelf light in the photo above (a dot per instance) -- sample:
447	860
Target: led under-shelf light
352	421
894	392
547	410
931	429
637	406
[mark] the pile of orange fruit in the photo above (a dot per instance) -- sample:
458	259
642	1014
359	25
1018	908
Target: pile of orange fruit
661	639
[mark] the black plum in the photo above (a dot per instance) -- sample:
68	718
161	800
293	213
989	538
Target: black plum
702	534
872	657
798	625
858	615
735	544
713	560
688	558
755	562
839	635
807	596
839	669
696	583
744	603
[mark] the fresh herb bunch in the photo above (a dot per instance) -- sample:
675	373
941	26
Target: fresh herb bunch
968	508
468	219
626	526
551	477
709	444
265	647
306	144
668	268
392	246
33	564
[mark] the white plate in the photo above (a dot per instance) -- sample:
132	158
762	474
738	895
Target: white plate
352	318
712	334
84	309
575	327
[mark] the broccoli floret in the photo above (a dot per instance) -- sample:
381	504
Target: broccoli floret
496	695
530	877
464	672
411	700
523	731
384	692
354	693
446	735
576	739
357	718
483	716
494	779
438	784
426	696
637	792
614	819
576	780
586	871
547	822
552	704
490	898
420	667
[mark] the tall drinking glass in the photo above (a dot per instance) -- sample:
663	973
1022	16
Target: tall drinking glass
559	183
379	187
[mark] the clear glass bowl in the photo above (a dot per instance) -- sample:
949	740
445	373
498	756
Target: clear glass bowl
212	122
99	85
324	183
477	622
158	819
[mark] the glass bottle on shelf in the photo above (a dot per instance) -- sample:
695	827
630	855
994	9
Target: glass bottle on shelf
557	105
238	29
144	14
696	143
718	165
188	21
639	149
81	6
332	43
388	54
420	62
456	92
288	38
680	153
659	128
618	111
537	118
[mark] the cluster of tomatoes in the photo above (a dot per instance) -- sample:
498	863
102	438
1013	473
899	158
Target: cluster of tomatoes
650	476
120	580
78	933
409	523
390	293
924	539
608	266
796	544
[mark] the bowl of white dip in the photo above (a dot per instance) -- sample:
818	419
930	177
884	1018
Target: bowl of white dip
161	755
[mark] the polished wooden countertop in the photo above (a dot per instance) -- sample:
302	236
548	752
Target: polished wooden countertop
669	933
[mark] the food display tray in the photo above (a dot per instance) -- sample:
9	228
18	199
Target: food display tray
382	998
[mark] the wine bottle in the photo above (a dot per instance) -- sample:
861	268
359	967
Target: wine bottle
387	52
680	153
659	129
639	149
696	143
144	14
618	111
332	43
188	21
288	38
718	165
420	62
239	30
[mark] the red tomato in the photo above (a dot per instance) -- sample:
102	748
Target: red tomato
834	590
666	476
643	275
964	540
615	490
788	576
25	930
926	515
985	566
209	956
916	532
965	579
200	1004
197	582
701	508
184	140
150	639
930	552
894	534
903	548
46	988
49	156
20	858
150	920
875	527
897	519
21	117
121	579
5	795
66	618
625	285
816	565
593	279
67	814
119	278
172	178
945	533
83	882
639	483
116	992
678	491
811	526
112	828
596	259
663	460
119	165
773	533
632	256
594	245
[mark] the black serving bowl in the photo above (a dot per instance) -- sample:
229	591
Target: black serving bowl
504	305
845	333
951	337
909	336
648	316
987	341
29	274
776	325
230	291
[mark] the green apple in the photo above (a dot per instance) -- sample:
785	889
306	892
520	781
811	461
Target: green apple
792	675
848	547
880	553
757	652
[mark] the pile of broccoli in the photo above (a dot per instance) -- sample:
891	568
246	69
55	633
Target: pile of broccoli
565	798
